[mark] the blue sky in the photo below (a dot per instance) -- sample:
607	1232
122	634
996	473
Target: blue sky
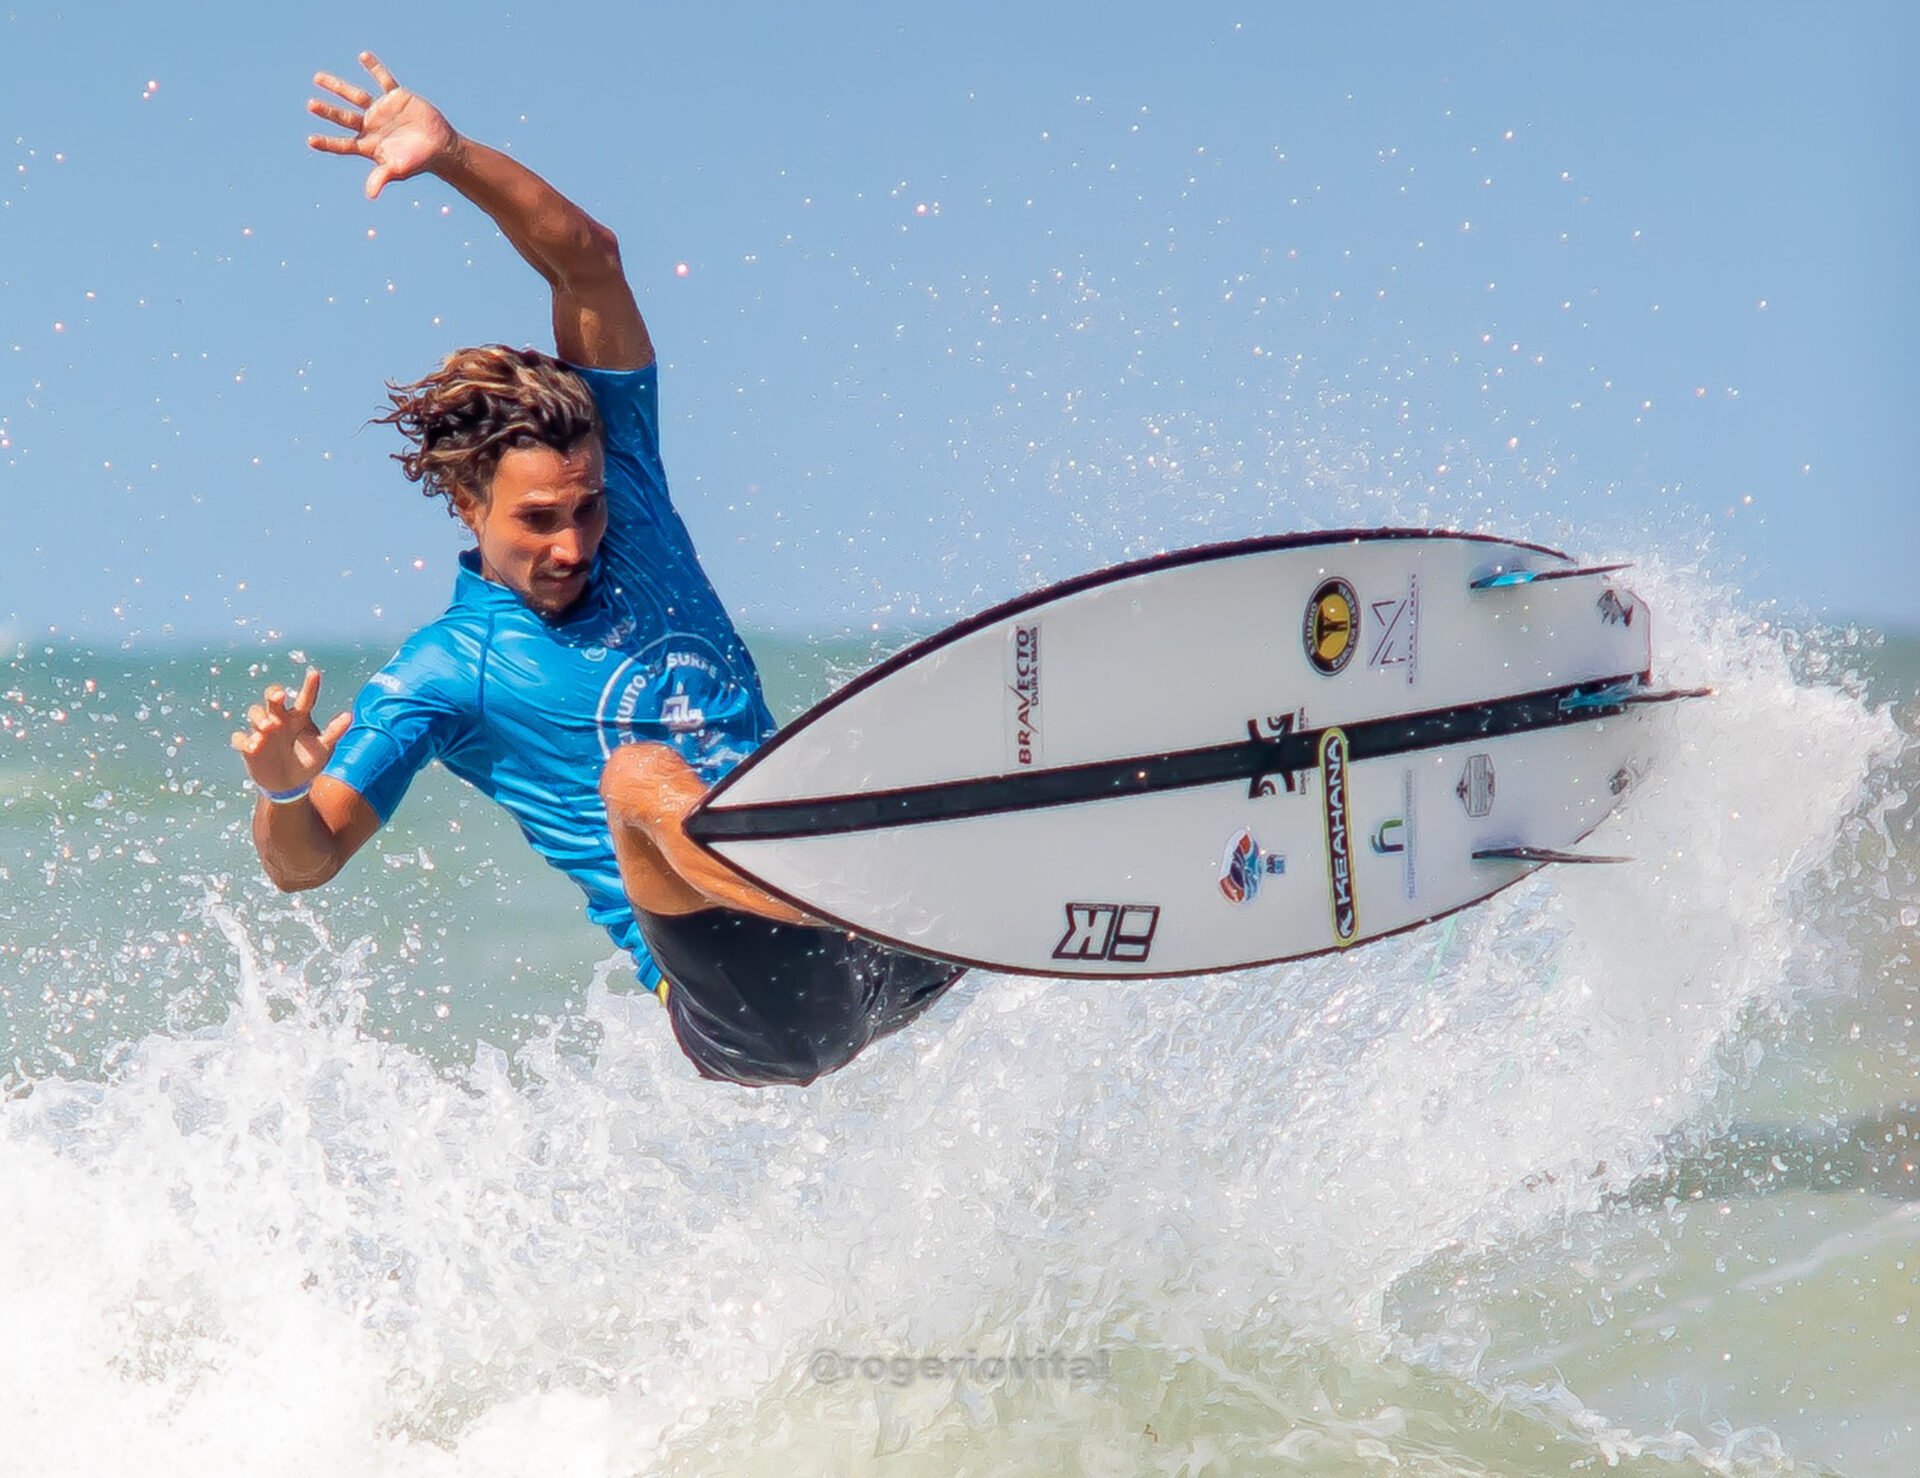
975	297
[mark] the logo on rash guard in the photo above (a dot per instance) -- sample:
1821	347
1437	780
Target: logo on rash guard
677	687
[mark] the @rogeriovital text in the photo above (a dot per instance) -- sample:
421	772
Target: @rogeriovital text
832	1367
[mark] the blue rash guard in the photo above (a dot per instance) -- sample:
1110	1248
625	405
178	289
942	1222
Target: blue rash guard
527	710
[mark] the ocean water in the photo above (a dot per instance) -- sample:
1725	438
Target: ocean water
1612	1174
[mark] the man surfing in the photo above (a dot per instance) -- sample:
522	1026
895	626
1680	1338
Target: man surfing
585	675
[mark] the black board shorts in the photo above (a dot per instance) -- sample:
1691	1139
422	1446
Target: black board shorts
758	1002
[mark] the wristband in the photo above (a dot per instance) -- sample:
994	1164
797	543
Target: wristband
284	797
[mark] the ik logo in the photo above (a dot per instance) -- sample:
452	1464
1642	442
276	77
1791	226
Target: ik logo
1122	932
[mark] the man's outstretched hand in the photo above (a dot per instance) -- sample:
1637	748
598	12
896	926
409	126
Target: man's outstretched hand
282	746
401	132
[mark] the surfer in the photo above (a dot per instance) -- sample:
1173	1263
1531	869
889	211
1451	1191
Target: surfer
585	675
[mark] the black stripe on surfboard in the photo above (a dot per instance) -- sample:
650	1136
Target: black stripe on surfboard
1248	760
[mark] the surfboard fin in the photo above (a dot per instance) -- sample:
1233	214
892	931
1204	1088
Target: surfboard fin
1539	854
1507	579
1625	695
1668	695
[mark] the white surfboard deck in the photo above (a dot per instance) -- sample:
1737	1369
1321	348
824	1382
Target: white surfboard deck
1207	761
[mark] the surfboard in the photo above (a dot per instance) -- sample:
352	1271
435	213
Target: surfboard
1213	759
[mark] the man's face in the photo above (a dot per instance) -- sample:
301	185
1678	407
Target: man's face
542	523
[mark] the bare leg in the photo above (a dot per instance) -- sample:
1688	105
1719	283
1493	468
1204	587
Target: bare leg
648	790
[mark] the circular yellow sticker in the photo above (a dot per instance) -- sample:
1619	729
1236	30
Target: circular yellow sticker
1332	628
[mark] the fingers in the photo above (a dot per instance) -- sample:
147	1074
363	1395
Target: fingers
328	145
280	745
377	181
330	735
379	72
348	118
358	96
302	704
278	705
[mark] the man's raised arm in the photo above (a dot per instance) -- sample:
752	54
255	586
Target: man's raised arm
596	322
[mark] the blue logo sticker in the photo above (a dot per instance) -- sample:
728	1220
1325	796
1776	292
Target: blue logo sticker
1245	863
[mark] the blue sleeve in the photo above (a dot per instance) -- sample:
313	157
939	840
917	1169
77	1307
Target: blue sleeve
410	712
629	405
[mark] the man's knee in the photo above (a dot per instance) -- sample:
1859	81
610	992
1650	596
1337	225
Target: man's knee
648	783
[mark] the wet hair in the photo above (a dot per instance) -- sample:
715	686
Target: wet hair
480	404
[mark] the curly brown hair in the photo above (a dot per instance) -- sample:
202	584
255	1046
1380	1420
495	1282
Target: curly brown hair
481	403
